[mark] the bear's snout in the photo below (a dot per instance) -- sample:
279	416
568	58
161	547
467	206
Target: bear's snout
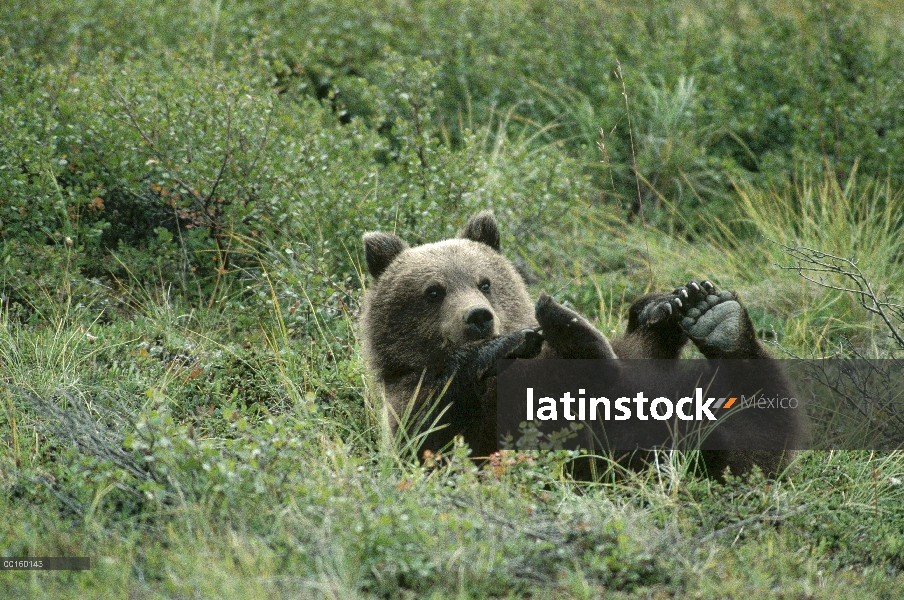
480	322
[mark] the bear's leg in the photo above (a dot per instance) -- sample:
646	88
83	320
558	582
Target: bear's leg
715	321
720	327
477	361
653	330
469	394
568	334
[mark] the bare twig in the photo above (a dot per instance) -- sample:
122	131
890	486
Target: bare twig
808	261
866	385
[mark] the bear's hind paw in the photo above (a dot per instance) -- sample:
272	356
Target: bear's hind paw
711	318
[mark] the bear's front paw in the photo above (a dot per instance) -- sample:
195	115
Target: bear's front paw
530	345
524	343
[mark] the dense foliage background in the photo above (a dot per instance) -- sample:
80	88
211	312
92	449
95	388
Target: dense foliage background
183	187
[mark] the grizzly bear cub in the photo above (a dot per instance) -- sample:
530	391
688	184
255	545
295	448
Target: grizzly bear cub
441	315
438	316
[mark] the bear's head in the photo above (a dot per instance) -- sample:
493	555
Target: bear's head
427	301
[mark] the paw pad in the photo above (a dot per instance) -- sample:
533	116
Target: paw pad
709	316
714	318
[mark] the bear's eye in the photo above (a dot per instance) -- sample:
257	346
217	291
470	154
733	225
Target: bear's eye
485	286
435	293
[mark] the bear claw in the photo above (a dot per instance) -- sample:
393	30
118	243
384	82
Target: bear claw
715	319
710	317
531	346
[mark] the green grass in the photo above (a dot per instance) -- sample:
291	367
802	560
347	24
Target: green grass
255	467
182	195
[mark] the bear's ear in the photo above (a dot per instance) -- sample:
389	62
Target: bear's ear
483	228
380	249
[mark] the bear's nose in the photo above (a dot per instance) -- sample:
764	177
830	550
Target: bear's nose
480	319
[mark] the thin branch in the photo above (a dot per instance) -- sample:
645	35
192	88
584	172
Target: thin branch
227	156
809	260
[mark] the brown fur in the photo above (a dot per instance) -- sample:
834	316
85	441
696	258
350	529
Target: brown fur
416	344
654	333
